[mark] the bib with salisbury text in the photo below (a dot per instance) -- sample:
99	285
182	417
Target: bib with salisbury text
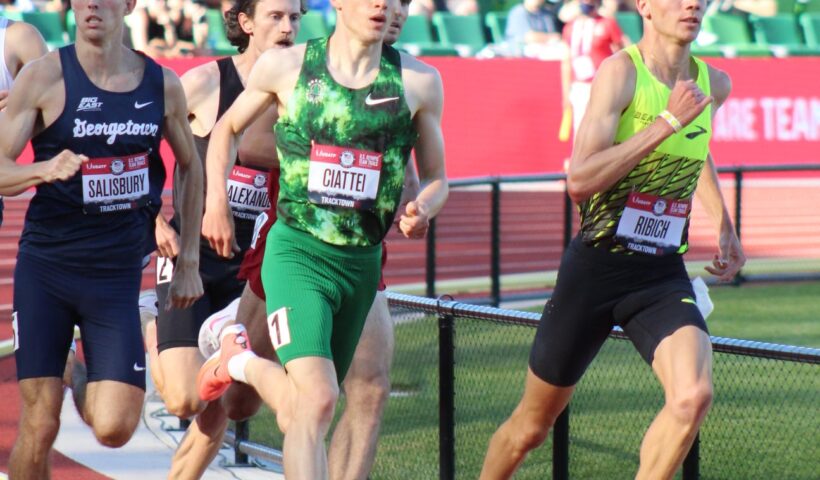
115	184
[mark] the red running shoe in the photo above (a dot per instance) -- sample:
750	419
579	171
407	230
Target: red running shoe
213	378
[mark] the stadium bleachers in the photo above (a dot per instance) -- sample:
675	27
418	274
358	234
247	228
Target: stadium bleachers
794	30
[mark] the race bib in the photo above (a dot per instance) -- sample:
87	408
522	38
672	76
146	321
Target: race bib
115	184
248	192
652	225
343	177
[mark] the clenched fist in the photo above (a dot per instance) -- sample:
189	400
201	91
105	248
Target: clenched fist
687	101
63	166
415	221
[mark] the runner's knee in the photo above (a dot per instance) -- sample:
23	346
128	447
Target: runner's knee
690	405
317	403
42	429
112	432
183	405
367	394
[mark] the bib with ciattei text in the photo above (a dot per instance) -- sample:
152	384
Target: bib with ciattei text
115	184
652	225
343	177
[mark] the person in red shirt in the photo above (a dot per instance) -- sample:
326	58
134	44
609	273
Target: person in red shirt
589	38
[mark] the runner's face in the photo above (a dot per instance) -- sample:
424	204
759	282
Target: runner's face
367	20
98	19
275	24
399	17
677	19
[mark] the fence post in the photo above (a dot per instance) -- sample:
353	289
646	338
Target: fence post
430	272
446	409
738	210
567	217
691	464
560	446
243	431
495	244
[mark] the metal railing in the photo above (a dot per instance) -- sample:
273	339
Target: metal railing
738	173
460	320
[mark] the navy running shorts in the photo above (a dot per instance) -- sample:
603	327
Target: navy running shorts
49	300
649	297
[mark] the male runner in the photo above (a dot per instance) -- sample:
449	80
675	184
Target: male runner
350	112
367	385
642	149
253	26
20	43
95	112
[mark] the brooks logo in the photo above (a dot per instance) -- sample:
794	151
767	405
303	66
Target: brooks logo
700	131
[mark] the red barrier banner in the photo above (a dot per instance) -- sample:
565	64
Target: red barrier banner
501	116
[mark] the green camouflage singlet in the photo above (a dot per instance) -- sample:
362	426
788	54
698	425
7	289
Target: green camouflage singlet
671	171
343	152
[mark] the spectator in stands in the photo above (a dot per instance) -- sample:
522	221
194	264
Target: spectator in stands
533	30
457	7
168	28
606	8
589	39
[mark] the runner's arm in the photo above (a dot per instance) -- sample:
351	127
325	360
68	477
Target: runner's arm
429	150
25	44
19	120
730	258
217	224
186	286
597	163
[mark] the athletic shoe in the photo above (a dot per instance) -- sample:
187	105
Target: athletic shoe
209	331
213	378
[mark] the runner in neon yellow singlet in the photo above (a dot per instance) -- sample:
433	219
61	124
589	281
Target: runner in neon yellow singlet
641	153
351	110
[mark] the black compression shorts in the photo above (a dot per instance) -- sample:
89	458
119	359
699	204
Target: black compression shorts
649	297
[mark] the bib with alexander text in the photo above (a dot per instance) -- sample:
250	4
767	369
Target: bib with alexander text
343	177
652	225
115	184
248	192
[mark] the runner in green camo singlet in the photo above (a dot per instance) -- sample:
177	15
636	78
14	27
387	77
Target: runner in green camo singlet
341	177
373	119
671	171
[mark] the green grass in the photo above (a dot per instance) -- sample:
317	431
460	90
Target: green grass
764	423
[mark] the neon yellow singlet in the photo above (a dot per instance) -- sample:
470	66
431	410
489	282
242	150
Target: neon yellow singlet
671	171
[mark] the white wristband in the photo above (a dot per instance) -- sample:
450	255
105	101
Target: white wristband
671	120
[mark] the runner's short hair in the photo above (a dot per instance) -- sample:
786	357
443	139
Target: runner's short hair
235	34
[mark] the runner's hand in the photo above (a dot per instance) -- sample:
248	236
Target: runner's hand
167	239
185	288
63	166
728	262
415	221
4	95
687	101
217	228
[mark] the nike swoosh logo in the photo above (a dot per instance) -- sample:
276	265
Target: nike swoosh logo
139	105
137	368
692	135
377	101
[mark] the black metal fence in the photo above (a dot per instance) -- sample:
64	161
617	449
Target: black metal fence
459	371
552	220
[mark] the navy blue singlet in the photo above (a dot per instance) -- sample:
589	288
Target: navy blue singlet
103	216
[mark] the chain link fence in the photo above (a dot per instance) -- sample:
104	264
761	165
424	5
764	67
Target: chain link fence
764	423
